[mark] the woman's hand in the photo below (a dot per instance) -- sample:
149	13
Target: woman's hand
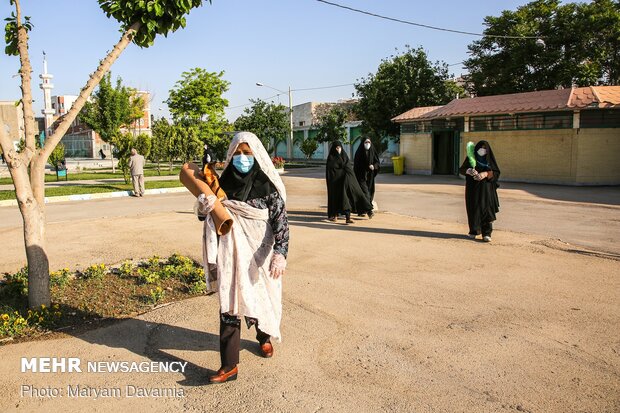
278	265
481	176
205	204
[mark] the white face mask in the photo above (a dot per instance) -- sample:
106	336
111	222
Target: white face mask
482	151
367	146
338	149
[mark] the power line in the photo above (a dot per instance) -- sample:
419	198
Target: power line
250	103
426	26
323	87
293	90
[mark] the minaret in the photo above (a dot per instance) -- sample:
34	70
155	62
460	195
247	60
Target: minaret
47	87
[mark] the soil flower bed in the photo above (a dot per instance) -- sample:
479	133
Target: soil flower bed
96	295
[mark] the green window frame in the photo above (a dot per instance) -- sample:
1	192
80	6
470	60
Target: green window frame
522	121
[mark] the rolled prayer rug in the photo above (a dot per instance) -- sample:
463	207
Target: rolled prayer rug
196	181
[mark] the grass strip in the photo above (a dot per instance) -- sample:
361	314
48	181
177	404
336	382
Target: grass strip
84	176
94	189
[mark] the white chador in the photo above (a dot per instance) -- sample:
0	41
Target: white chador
237	265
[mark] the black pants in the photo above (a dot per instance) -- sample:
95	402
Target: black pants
487	228
230	339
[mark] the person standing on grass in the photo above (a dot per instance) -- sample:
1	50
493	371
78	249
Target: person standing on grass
136	166
481	201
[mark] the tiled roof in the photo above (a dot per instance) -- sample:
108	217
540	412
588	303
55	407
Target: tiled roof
541	101
607	96
414	113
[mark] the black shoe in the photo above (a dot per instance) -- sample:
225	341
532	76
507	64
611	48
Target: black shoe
370	214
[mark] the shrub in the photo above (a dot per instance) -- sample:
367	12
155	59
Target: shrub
198	287
60	278
147	276
278	162
95	271
154	263
126	268
16	285
156	295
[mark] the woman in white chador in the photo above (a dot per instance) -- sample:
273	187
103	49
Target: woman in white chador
246	265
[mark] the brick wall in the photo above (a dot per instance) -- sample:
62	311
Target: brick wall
598	156
417	149
565	156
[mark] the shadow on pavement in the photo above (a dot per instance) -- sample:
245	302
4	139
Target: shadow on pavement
152	340
314	219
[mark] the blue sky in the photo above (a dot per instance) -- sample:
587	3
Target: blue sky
301	43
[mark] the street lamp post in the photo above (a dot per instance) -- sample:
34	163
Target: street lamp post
289	144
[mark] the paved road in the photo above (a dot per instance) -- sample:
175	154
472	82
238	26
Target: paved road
396	314
584	216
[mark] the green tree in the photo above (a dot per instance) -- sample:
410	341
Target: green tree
308	147
561	45
109	110
402	82
123	143
143	144
141	22
187	142
198	97
197	105
160	142
268	121
331	125
57	155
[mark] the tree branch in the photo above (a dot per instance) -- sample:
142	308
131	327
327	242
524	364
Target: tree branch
93	81
25	72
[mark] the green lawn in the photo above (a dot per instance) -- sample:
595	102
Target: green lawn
82	176
93	189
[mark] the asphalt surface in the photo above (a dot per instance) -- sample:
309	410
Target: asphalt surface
401	313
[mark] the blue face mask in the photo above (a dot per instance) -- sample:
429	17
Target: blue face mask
243	163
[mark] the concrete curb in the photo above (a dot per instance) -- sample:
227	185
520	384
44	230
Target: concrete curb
100	195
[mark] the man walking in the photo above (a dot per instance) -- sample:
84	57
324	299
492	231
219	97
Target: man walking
136	166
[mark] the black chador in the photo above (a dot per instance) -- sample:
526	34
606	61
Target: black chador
363	160
344	194
481	199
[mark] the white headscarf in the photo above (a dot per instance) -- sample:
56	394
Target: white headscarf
260	155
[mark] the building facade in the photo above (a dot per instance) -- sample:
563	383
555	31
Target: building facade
567	136
305	121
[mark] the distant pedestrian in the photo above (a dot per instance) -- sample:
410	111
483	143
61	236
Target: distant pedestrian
101	153
481	185
136	166
2	156
366	167
344	194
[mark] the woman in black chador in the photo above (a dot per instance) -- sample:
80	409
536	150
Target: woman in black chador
481	185
366	167
344	194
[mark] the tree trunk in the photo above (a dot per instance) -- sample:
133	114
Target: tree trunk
112	157
158	168
38	263
33	215
30	192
